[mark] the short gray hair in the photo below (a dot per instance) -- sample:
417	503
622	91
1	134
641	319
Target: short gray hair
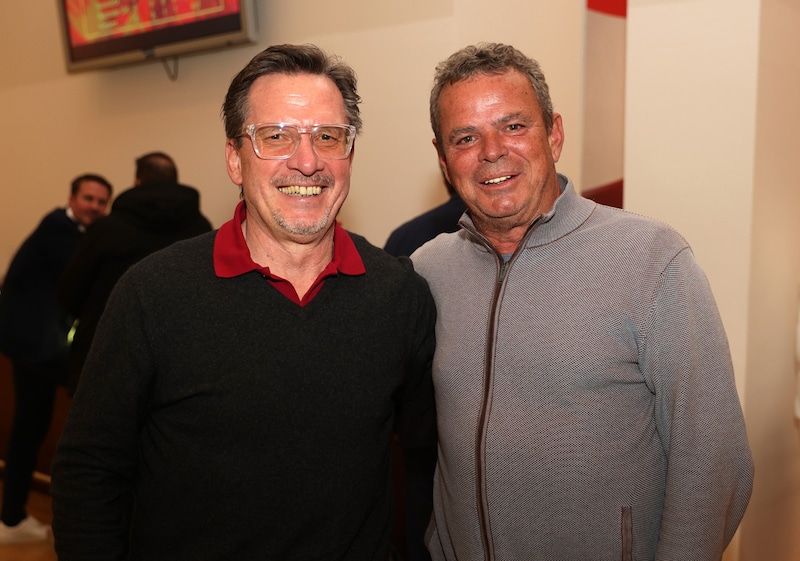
488	59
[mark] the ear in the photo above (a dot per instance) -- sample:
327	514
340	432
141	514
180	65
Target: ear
234	162
556	138
442	160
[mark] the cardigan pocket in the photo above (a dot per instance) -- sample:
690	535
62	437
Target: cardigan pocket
627	534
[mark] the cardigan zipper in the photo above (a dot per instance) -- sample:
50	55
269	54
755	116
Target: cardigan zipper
503	267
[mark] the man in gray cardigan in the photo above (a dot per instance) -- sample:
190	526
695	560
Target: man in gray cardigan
586	402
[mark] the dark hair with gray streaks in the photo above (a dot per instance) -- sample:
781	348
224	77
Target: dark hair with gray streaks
288	59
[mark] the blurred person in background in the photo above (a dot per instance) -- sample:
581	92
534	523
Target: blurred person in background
156	212
34	335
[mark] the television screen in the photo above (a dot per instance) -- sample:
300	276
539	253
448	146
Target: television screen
102	33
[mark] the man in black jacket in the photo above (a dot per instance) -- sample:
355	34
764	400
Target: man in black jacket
156	212
33	334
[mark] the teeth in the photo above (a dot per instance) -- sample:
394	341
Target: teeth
302	190
497	180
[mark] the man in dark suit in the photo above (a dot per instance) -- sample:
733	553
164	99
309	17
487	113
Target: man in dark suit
33	334
441	219
156	212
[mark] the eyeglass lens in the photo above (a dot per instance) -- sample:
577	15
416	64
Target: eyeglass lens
277	141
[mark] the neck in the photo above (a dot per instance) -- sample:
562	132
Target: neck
71	216
298	261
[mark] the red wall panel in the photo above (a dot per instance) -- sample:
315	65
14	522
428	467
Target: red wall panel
610	7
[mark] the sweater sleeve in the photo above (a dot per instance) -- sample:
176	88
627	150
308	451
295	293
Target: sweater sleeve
95	464
416	424
687	361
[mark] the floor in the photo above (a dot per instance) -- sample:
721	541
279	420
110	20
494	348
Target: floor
39	508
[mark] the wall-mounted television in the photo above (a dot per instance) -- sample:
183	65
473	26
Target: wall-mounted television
104	33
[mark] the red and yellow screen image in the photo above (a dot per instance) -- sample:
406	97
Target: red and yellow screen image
91	21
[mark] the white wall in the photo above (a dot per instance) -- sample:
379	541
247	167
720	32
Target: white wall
57	126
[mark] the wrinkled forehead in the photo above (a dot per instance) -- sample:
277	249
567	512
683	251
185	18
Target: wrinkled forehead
302	99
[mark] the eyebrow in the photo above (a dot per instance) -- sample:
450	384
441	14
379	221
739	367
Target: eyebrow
460	131
518	116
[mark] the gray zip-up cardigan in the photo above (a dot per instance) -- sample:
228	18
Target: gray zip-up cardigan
587	409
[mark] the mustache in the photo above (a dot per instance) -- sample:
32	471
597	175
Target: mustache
316	179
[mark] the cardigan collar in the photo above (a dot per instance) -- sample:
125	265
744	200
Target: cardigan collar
569	211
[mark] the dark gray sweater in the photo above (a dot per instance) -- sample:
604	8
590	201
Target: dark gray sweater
246	426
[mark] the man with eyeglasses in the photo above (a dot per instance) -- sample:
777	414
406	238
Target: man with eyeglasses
243	386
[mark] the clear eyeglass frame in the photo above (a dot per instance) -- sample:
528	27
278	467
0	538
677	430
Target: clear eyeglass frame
330	141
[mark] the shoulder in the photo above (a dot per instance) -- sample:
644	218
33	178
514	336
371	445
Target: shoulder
56	215
55	230
443	247
181	259
169	278
626	228
58	218
375	258
386	268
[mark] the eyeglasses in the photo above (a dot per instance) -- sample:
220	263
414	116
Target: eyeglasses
279	141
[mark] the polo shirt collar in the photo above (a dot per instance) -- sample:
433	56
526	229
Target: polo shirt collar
232	256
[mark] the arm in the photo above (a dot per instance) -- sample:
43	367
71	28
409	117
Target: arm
55	238
416	424
95	466
81	271
698	417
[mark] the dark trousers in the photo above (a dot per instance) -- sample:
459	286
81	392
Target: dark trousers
35	390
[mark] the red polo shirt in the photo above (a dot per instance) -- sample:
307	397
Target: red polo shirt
232	258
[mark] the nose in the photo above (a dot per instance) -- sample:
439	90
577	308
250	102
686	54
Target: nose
305	158
493	147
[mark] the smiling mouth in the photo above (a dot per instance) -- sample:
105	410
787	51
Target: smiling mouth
497	180
301	190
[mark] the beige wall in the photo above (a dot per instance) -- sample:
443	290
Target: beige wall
712	114
773	526
57	126
604	100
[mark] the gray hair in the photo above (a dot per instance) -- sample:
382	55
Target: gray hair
488	59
